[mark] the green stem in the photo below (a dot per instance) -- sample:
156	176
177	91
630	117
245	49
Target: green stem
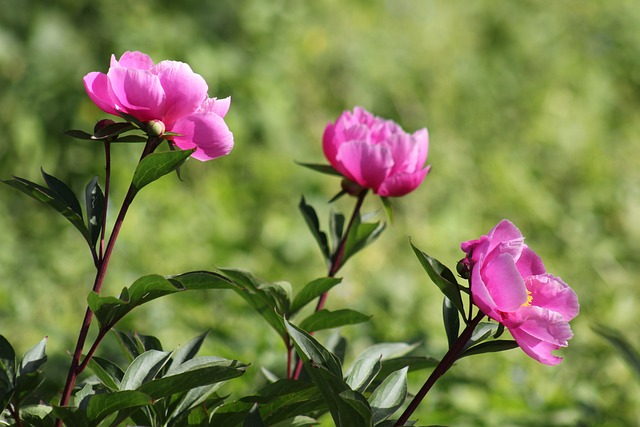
76	368
447	361
335	265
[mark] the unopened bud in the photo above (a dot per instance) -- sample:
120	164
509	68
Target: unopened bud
351	187
464	268
155	128
102	124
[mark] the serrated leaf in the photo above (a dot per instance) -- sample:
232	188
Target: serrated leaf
325	319
451	320
389	396
143	369
33	358
311	291
326	169
94	200
196	372
100	406
443	278
156	165
311	218
108	372
49	198
490	347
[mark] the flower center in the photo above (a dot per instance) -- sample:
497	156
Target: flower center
527	303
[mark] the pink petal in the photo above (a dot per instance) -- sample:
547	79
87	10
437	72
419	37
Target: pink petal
541	323
216	106
207	132
552	293
535	348
401	184
529	263
368	165
135	60
421	138
329	144
185	90
138	93
97	87
405	154
504	283
481	296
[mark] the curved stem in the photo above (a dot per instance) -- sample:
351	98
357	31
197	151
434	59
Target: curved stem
107	186
447	361
335	265
76	368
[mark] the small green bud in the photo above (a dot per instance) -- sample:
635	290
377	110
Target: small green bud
155	128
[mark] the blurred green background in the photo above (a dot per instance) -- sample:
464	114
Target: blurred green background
533	111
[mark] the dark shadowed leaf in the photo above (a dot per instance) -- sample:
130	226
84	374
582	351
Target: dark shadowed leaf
94	199
253	418
108	372
100	406
7	365
311	218
62	192
326	169
451	320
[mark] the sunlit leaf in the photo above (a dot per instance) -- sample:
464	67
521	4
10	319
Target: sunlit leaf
156	165
100	406
325	319
389	396
490	347
362	373
312	291
108	372
360	235
143	369
34	358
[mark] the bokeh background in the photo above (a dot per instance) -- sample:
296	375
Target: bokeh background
533	111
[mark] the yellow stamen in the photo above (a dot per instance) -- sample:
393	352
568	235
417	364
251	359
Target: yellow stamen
527	303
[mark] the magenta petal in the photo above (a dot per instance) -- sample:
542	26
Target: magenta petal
543	324
205	131
185	90
329	145
529	263
552	293
97	87
135	60
481	296
504	283
368	165
401	184
138	92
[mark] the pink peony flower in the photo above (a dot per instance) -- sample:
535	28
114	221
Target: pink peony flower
376	153
168	91
510	284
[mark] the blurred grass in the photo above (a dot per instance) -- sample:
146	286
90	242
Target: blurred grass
532	110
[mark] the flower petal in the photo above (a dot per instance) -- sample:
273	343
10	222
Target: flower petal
504	283
216	106
368	165
135	60
529	263
207	132
401	184
185	90
536	348
552	293
137	92
97	87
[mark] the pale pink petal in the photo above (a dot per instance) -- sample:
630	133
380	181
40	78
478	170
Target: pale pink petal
401	184
216	106
97	87
135	60
552	293
421	138
536	348
481	296
185	90
366	164
205	131
504	283
138	93
541	323
405	154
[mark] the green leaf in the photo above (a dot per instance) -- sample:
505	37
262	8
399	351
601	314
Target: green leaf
451	320
414	363
311	218
325	319
156	165
108	372
51	199
336	226
130	138
360	235
100	406
311	291
347	407
483	331
389	396
298	421
442	277
388	209
94	199
490	347
192	398
386	351
186	352
35	415
62	192
128	344
197	372
253	418
112	130
7	365
326	169
78	134
33	358
143	369
621	344
362	373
